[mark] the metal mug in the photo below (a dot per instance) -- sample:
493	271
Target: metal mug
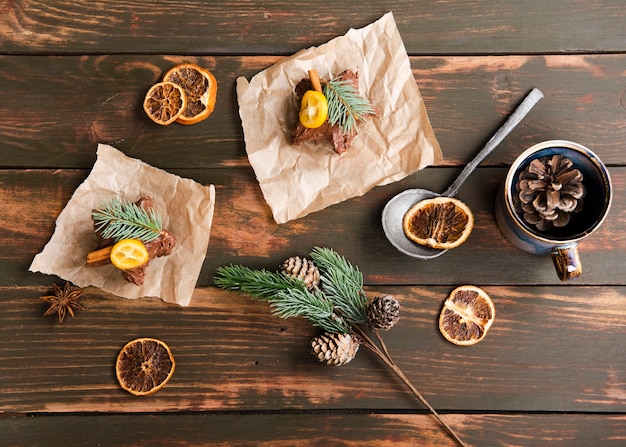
561	243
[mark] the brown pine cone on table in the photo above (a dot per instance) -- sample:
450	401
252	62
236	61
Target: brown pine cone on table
303	269
335	349
383	312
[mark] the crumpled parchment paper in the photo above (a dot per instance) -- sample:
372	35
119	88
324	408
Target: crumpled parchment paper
298	180
186	208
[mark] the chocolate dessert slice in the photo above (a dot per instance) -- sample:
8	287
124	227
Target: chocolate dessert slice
341	140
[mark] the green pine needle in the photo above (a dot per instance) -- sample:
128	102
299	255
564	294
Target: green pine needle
120	219
260	284
312	306
286	295
345	105
342	282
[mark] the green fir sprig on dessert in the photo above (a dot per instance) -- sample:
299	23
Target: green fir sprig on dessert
345	105
120	219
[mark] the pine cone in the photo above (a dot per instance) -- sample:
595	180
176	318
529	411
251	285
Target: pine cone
383	312
304	269
335	349
549	190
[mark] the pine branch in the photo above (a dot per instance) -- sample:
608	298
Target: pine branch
314	307
260	284
342	282
120	219
341	296
345	105
287	295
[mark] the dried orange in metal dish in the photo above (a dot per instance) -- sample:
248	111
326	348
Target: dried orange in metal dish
441	222
467	315
200	88
144	366
164	102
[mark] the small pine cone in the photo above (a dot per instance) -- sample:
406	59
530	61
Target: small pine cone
304	269
548	191
335	349
383	312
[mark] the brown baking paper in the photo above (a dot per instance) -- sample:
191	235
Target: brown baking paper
298	180
186	209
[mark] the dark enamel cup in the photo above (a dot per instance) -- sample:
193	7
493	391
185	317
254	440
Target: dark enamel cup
561	243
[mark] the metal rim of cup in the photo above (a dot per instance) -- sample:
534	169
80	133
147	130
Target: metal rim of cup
526	156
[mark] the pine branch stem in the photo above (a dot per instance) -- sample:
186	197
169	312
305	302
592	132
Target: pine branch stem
386	357
382	343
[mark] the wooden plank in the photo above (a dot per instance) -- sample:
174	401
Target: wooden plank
244	231
312	430
56	109
232	355
246	27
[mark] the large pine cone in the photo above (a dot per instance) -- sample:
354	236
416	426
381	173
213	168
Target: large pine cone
383	312
548	191
335	349
304	269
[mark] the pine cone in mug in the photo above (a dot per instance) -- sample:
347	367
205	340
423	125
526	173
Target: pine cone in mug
548	191
335	349
383	312
304	269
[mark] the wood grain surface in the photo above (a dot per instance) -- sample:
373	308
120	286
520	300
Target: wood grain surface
253	27
552	369
99	98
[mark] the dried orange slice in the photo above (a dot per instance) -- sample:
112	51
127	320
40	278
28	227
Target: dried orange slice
164	102
144	366
467	315
441	222
129	254
200	87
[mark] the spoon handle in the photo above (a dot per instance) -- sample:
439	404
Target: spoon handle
520	112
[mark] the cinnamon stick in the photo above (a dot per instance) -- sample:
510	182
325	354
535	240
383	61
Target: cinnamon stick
99	255
315	80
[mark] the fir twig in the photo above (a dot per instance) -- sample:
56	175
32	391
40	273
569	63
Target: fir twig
345	105
120	219
312	306
287	296
339	307
260	284
342	282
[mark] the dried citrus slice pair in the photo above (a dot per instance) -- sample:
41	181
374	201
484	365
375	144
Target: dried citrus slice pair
467	315
441	222
195	85
144	366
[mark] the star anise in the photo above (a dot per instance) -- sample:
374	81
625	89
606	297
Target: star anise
63	301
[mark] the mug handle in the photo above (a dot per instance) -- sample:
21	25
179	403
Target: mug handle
567	262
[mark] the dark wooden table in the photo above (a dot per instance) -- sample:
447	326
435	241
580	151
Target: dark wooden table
552	370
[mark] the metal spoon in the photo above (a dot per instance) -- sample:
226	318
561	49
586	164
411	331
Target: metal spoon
396	208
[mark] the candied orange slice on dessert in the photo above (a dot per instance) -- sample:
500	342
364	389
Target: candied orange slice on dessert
441	222
467	315
200	88
313	109
144	366
128	254
164	102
